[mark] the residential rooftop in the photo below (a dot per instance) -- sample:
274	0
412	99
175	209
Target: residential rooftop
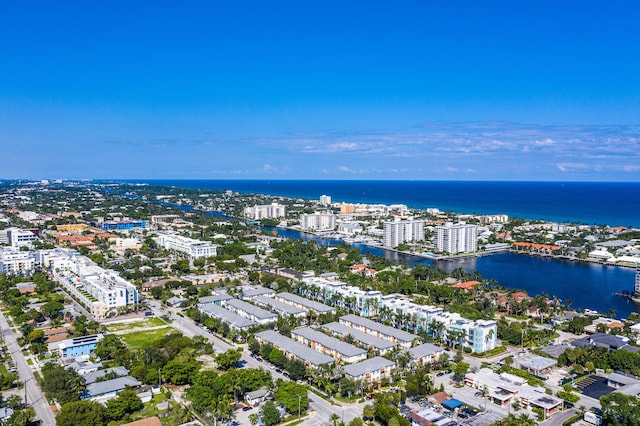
226	315
283	308
359	336
253	310
400	335
345	349
307	304
370	365
288	345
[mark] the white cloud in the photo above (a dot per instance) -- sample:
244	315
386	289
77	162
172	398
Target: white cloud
571	167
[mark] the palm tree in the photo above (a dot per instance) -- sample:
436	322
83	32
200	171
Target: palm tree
334	418
487	339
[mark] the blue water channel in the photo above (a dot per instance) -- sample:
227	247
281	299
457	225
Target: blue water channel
586	285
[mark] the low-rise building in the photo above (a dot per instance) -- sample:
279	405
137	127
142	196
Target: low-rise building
77	346
372	370
109	389
282	309
380	346
234	320
252	312
249	292
504	389
339	350
192	248
402	338
293	349
304	303
425	353
13	261
124	225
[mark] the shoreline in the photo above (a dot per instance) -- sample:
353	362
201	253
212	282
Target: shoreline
466	255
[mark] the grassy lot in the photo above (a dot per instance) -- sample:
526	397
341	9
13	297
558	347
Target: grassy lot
142	339
144	323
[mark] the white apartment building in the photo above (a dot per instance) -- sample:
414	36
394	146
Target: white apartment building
267	211
637	286
325	200
350	228
458	238
398	232
365	302
16	237
194	249
323	221
15	262
101	291
480	336
494	218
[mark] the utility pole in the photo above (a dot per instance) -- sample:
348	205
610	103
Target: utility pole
299	398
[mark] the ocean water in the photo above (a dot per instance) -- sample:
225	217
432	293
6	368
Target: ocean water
609	203
586	285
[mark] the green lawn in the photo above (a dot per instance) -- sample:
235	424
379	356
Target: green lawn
144	323
144	338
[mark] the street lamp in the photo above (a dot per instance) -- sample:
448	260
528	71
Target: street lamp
299	398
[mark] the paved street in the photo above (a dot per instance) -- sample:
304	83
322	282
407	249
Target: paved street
319	409
35	397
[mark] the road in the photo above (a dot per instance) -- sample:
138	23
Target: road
34	395
320	410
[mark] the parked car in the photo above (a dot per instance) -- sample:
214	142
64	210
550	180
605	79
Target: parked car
247	408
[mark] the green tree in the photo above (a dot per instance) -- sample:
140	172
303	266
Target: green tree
619	409
270	414
228	359
110	347
126	403
357	421
60	384
85	413
513	420
334	419
52	308
289	393
181	370
21	417
368	412
277	357
460	370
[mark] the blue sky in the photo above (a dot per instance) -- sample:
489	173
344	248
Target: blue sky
448	90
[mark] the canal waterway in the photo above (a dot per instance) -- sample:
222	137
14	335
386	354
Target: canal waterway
586	285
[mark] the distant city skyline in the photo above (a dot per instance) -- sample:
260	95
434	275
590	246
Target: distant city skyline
333	90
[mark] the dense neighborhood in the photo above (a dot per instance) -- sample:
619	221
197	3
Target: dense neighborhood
141	305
